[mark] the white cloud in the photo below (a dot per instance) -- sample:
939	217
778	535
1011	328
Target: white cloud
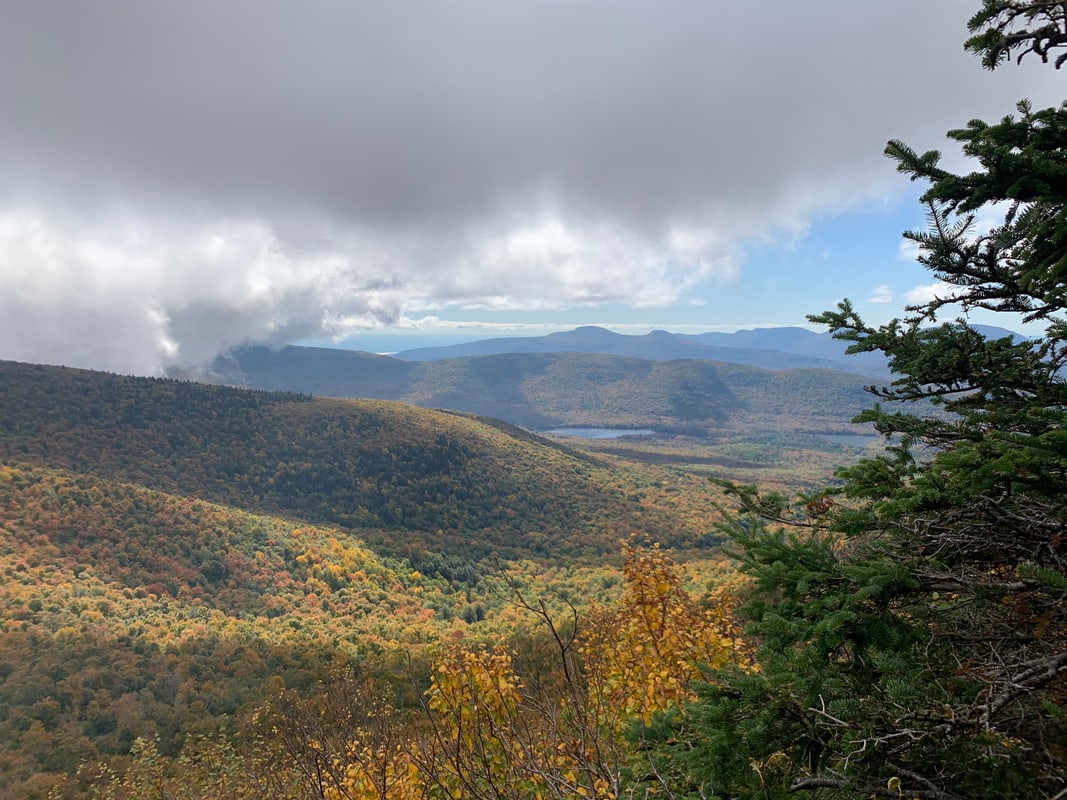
133	295
131	299
908	250
881	294
927	293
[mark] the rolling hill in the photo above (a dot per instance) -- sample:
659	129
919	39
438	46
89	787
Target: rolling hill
546	390
402	475
176	554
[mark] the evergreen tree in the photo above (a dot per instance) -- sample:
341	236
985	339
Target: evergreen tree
912	622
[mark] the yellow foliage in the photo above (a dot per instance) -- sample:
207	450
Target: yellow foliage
479	682
488	734
647	653
379	773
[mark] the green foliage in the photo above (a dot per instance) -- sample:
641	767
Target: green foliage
131	615
1002	27
539	712
912	626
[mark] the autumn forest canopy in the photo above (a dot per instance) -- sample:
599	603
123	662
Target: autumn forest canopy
218	592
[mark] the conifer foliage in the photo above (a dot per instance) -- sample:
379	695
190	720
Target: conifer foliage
912	621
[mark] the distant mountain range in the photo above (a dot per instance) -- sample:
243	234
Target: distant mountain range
765	378
539	391
767	348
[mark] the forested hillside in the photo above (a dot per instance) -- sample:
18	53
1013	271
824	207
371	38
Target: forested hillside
409	477
128	613
175	555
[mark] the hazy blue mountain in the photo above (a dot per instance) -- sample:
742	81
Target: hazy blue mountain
654	346
993	332
587	339
797	342
768	348
802	341
322	371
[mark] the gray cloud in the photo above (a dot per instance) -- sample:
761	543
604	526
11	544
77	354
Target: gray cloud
194	175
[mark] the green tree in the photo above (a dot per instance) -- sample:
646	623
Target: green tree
912	621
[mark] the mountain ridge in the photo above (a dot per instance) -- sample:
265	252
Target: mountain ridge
775	348
540	391
656	345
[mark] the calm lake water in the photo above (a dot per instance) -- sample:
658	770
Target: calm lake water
851	439
848	439
599	433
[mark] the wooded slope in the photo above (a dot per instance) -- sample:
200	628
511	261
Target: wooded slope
408	478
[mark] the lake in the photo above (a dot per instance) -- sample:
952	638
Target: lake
851	439
599	433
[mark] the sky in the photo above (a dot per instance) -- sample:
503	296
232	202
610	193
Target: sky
177	179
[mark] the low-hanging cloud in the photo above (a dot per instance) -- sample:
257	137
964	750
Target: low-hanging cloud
133	299
183	178
129	298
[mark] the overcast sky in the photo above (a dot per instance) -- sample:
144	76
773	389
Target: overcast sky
180	178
